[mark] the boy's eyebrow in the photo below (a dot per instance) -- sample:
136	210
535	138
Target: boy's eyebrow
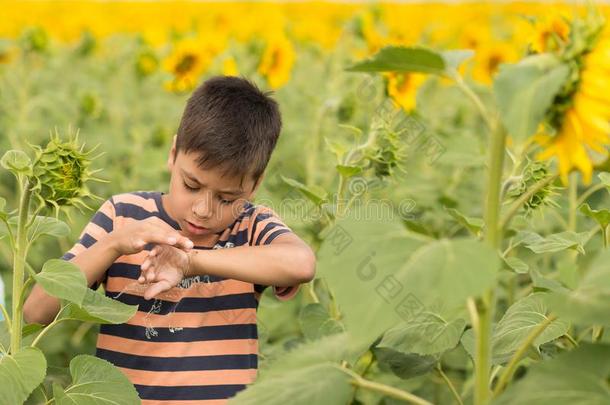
190	176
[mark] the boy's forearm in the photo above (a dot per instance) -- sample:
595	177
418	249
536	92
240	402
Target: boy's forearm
280	265
41	307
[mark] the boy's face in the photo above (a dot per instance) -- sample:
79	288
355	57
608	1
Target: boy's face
202	198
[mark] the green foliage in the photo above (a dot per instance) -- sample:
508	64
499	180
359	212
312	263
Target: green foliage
577	377
20	374
95	381
524	92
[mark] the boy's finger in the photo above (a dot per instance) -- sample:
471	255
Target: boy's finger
186	243
156	288
150	276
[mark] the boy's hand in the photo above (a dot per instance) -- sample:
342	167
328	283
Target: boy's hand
132	238
165	267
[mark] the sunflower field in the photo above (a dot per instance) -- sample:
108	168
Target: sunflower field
447	162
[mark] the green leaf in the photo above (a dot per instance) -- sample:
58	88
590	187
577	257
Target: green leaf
403	365
604	177
337	148
98	308
519	321
454	58
348	171
2	203
557	242
402	59
316	321
20	374
64	280
48	226
96	381
474	225
327	349
315	194
16	161
542	283
369	254
578	377
588	304
602	217
321	383
525	91
517	265
427	333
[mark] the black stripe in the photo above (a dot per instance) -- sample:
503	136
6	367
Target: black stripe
188	304
183	363
132	271
266	229
133	211
87	240
68	256
238	239
275	235
215	332
103	221
188	392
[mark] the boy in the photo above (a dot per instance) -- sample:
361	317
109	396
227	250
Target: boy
194	337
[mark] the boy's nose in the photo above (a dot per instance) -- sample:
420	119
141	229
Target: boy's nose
201	209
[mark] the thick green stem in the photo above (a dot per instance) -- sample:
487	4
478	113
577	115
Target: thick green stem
19	266
573	202
507	375
485	309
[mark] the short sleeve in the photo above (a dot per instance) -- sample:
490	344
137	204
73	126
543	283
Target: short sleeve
265	226
100	225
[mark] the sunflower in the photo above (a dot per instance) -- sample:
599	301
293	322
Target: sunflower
489	57
188	61
549	32
402	88
277	61
583	133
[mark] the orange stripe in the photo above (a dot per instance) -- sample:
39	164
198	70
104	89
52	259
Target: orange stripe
201	289
96	231
194	320
177	349
186	378
148	204
136	258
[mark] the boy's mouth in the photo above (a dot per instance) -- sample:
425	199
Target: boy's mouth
192	228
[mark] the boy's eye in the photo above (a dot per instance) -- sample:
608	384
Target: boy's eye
226	202
189	187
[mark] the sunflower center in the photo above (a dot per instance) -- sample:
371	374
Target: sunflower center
186	64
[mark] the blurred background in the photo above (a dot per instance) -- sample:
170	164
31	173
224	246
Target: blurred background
121	73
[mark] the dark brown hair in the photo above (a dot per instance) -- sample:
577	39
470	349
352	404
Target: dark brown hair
231	124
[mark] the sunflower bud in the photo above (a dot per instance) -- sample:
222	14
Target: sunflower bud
534	172
60	173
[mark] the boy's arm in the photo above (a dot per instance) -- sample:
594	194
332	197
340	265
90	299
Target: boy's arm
286	261
41	307
101	244
274	256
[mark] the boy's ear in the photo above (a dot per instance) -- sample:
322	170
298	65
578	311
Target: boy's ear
172	151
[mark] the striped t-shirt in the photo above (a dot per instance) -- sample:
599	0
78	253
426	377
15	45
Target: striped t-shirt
196	343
